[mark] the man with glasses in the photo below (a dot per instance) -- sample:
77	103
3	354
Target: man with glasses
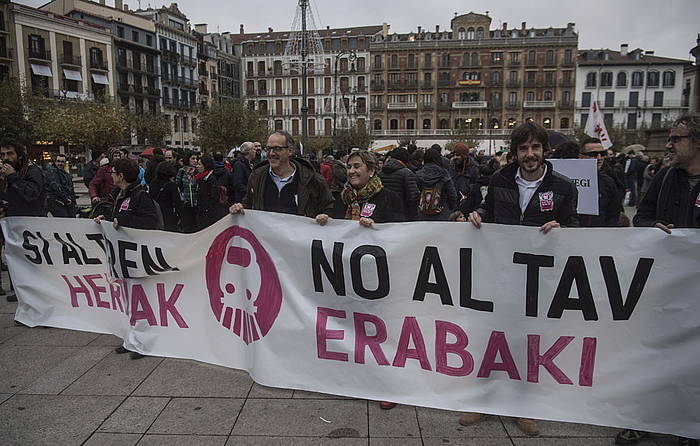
284	183
60	195
673	201
609	207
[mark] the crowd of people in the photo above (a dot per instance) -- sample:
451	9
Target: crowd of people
186	192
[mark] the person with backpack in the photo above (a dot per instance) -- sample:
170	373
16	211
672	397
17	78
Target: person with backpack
438	196
164	191
212	191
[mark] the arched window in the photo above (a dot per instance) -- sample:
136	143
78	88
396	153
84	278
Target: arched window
653	79
637	79
410	124
480	33
470	34
377	124
669	78
621	79
591	79
475	59
443	124
547	123
394	124
426	124
462	34
606	79
564	123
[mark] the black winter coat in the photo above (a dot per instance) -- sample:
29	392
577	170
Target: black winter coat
403	182
669	200
388	207
24	193
609	206
430	175
134	208
210	194
475	197
167	195
241	172
502	202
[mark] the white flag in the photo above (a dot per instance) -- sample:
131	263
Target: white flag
595	126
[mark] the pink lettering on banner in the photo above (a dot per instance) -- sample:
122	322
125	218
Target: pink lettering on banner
115	293
535	360
443	348
411	332
140	308
362	339
323	334
96	289
498	345
585	376
168	305
77	290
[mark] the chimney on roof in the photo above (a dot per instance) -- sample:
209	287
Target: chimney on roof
419	29
524	25
269	29
328	27
242	29
437	29
385	29
505	26
201	28
119	4
571	25
624	48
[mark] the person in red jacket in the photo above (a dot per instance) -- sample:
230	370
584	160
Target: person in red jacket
326	169
102	185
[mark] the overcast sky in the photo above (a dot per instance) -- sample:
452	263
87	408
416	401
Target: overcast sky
669	27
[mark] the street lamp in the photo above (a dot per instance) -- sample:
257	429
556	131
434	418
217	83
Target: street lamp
352	57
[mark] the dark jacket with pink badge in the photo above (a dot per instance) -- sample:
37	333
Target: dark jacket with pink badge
388	207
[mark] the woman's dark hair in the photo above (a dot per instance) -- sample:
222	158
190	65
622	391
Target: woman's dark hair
433	156
207	161
185	157
127	167
166	170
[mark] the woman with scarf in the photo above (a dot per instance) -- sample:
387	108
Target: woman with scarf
187	184
364	198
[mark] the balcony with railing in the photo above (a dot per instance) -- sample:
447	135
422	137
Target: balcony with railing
567	83
566	104
69	59
376	107
427	106
377	85
411	85
38	54
444	83
395	85
539	104
401	106
469	104
513	84
6	53
445	106
375	67
530	83
427	85
97	64
512	105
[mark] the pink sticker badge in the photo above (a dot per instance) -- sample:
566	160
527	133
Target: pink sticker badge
125	205
697	201
368	210
546	201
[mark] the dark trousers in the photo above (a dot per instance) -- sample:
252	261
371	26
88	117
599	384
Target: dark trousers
59	209
632	187
188	220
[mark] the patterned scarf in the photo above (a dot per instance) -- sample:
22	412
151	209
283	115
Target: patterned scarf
354	199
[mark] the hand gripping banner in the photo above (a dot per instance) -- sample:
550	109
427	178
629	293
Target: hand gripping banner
598	326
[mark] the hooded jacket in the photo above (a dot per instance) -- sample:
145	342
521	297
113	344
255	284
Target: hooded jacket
312	194
431	175
402	181
502	202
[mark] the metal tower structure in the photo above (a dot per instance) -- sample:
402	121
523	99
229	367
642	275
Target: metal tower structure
304	53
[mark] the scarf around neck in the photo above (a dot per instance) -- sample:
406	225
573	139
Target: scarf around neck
354	199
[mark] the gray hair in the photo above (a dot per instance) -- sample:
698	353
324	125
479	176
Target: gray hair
692	122
288	137
247	147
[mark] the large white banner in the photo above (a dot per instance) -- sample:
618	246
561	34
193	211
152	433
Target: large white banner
597	326
584	174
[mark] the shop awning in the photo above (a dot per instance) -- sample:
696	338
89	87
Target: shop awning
100	79
41	70
72	75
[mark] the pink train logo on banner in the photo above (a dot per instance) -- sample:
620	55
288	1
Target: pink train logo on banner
248	313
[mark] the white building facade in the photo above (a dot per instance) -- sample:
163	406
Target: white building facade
634	89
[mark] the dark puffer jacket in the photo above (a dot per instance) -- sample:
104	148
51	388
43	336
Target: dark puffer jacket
403	182
670	200
211	206
430	176
313	196
502	203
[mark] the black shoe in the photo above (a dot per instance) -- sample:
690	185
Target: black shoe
629	437
136	355
11	298
121	350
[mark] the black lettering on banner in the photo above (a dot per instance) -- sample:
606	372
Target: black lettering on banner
382	271
111	257
68	251
465	284
45	249
31	248
86	259
161	260
125	263
574	271
334	274
622	311
431	262
104	246
532	289
152	268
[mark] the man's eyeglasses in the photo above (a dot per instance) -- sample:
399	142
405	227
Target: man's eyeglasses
595	153
676	138
276	149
